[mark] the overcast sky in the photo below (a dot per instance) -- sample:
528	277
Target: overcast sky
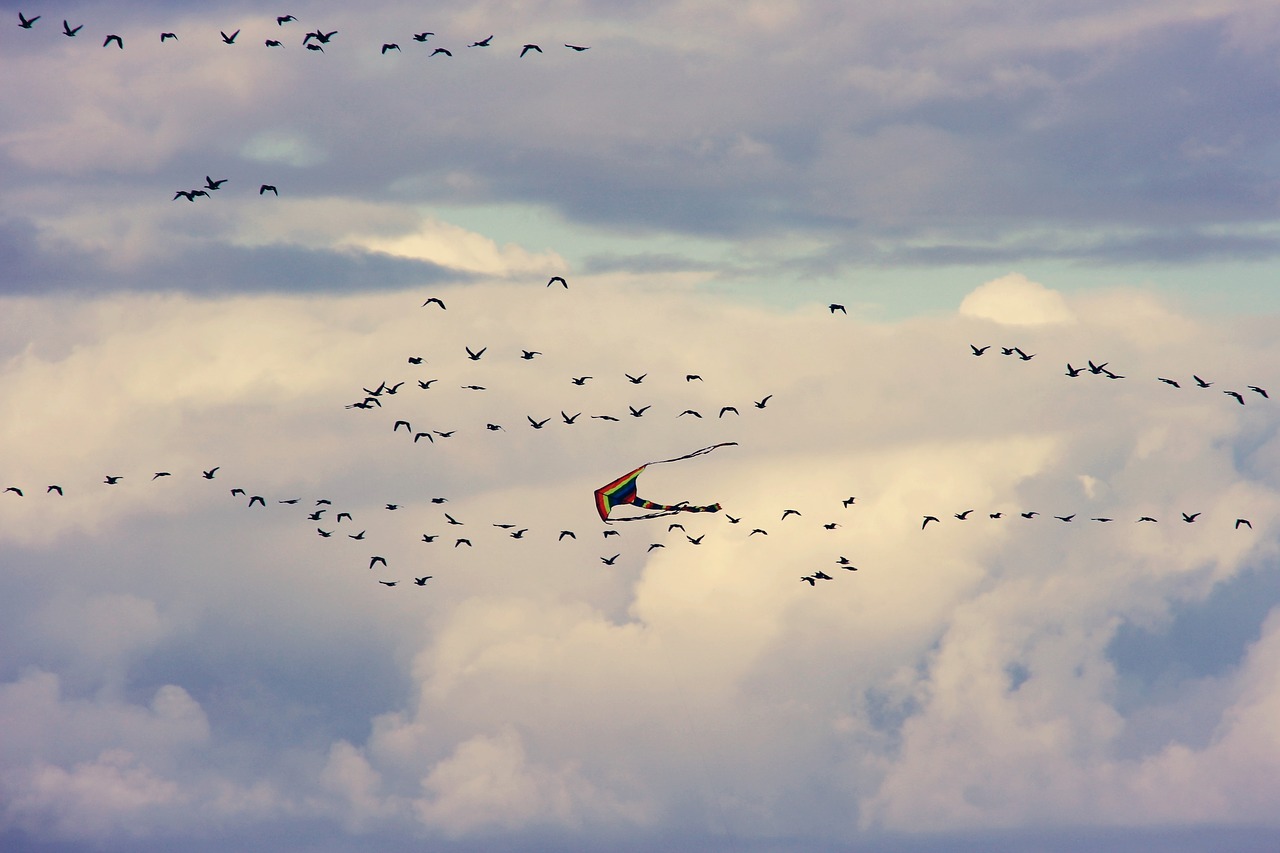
1092	183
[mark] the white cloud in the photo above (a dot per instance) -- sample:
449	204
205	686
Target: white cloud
1015	300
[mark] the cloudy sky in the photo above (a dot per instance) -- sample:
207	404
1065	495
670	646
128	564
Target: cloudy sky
1091	183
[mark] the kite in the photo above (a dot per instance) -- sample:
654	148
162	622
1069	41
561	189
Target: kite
623	491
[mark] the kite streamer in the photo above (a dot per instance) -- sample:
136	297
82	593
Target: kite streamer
623	491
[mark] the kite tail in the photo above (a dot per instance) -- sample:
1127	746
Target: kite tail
698	452
665	509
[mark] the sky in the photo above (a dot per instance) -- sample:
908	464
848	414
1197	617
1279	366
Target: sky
951	601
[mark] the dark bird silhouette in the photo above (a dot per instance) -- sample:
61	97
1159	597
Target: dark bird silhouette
422	36
689	377
436	300
724	409
472	387
319	36
528	354
15	489
675	525
1200	381
1074	371
1189	519
809	580
428	436
315	516
324	534
537	424
609	561
324	502
604	417
578	47
439	500
481	43
759	530
569	419
607	533
25	22
528	47
787	512
518	534
189	195
390	46
315	47
963	516
689	412
423	581
1066	517
579	380
426	385
115	38
635	380
831	525
373	561
474	356
238	491
54	488
452	520
340	516
388	583
731	519
1239	397
822	576
356	536
564	533
111	479
1103	519
427	537
229	39
165	37
996	515
696	540
259	500
835	306
560	279
760	404
1168	381
211	184
1096	369
1255	389
290	501
979	350
637	413
1111	375
653	545
1006	350
444	434
268	188
284	19
1246	522
848	502
927	519
415	359
1145	518
208	475
68	30
441	50
157	475
1022	355
1031	514
494	428
392	507
404	424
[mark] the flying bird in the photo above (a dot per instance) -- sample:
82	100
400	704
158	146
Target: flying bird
609	561
760	404
1022	355
452	520
1073	371
404	424
26	22
319	36
284	19
979	350
579	380
436	300
635	380
258	499
54	488
604	417
579	48
391	46
759	530
165	37
927	519
229	39
724	409
1257	390
481	43
423	581
373	561
1246	522
111	480
15	489
208	475
1189	519
689	412
564	533
1200	381
1145	518
1239	397
68	30
422	36
428	436
474	356
441	50
324	534
835	306
1031	514
787	512
211	184
697	540
560	280
238	491
963	516
115	38
637	413
569	419
157	475
268	188
537	424
1096	369
528	47
1168	381
848	502
388	583
1066	517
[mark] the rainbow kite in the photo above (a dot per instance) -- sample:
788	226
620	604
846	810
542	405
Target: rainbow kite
623	491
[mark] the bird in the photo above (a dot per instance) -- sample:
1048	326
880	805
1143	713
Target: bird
979	350
835	306
848	502
564	533
289	501
675	525
481	43
996	515
635	380
373	561
439	500
604	417
427	537
157	475
474	356
578	47
1006	350
558	279
1246	522
425	385
1189	519
822	576
529	354
927	519
68	30
759	530
404	424
1239	397
388	583
444	434
1201	382
569	419
787	512
1073	371
831	525
436	300
428	436
422	36
25	22
1102	519
53	488
415	359
319	36
1096	369
518	534
166	36
390	46
696	540
689	412
324	534
1031	514
273	43
423	580
268	188
537	424
452	520
356	536
1168	381
760	404
724	409
229	39
208	475
111	479
1257	390
281	20
466	542
341	516
494	427
1111	375
115	38
731	519
963	516
1145	518
637	413
528	47
15	489
258	499
210	183
1022	355
609	561
441	50
1065	517
653	545
189	195
607	533
580	380
315	516
810	580
237	491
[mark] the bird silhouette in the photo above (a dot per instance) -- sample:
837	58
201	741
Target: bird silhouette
1189	519
452	520
835	306
578	47
268	188
391	46
580	380
258	499
1255	389
637	413
1246	522
1239	397
165	37
1168	381
609	561
604	417
208	475
537	424
759	530
809	580
422	36
111	479
373	561
724	409
15	489
1022	355
558	279
564	533
689	412
474	356
388	583
528	47
696	540
963	516
54	488
481	43
1073	371
848	502
70	31
434	300
423	580
427	537
1202	383
1102	519
607	533
441	50
238	491
635	380
114	38
229	39
831	525
1065	517
760	404
1031	514
340	516
324	534
1145	518
281	20
211	184
319	36
404	424
927	519
273	43
1096	369
356	536
466	542
979	350
787	512
25	22
528	354
494	428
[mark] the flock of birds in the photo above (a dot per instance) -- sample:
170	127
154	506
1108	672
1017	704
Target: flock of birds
314	40
331	522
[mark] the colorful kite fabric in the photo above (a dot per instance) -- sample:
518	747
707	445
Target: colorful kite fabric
623	491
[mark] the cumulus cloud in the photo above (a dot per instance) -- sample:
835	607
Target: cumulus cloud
1015	300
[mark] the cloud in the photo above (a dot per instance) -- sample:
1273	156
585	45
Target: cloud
1014	300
